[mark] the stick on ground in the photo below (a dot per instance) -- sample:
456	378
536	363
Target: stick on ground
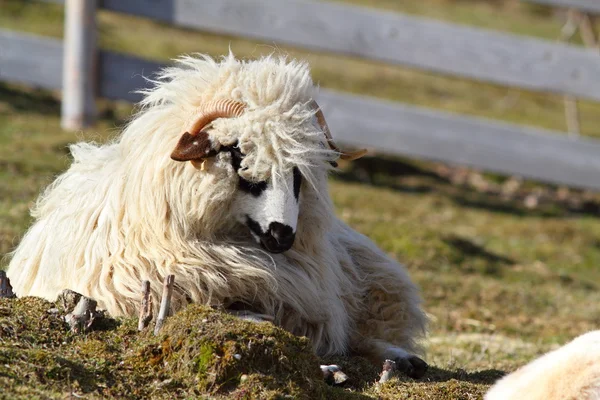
165	303
5	288
146	308
389	367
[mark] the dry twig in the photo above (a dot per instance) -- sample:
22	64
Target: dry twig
146	308
389	367
165	303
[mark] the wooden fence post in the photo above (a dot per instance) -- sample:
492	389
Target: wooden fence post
79	64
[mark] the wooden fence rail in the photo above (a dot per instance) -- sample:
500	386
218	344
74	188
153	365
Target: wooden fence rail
384	126
422	43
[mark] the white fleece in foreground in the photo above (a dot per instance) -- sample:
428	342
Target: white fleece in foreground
570	373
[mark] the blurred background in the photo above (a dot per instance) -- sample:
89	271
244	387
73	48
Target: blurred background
481	117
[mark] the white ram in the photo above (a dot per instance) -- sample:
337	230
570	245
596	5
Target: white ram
248	223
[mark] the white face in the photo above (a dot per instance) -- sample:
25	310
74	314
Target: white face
269	209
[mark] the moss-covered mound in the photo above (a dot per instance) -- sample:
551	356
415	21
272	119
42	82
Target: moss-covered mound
40	358
216	353
200	353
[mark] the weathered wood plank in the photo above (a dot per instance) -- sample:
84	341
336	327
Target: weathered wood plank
78	108
436	46
384	126
421	43
591	6
390	37
31	60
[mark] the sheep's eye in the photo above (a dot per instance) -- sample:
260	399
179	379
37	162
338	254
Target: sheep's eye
254	188
236	157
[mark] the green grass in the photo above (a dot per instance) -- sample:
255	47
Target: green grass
502	283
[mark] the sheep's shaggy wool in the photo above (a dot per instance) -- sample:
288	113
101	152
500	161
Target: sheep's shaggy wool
125	212
571	372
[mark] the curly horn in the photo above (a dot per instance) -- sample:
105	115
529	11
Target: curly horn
208	112
344	155
194	145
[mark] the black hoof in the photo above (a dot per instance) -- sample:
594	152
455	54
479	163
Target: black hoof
412	366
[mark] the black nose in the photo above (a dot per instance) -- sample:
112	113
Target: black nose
278	238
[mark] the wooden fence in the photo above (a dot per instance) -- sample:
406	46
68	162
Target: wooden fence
389	127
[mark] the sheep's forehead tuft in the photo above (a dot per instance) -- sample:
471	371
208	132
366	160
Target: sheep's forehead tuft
278	129
273	142
267	82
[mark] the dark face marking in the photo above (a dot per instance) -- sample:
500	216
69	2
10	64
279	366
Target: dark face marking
236	156
254	188
297	182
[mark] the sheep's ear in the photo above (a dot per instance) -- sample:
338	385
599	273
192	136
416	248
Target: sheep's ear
193	147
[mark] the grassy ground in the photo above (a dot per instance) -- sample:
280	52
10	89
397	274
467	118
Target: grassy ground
503	283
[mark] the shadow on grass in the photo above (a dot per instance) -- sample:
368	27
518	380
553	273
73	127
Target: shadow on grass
487	377
382	171
363	374
23	100
493	263
27	101
491	202
555	209
403	176
436	382
471	249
